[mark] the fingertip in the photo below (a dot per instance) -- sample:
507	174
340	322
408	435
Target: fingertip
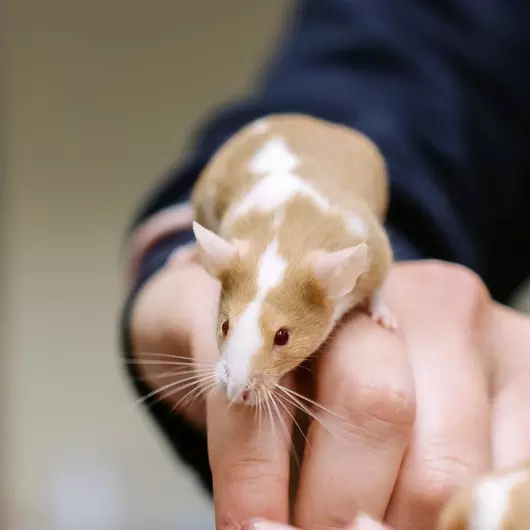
364	522
262	524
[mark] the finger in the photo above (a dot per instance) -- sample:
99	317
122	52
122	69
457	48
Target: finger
511	424
451	436
355	451
250	461
510	334
173	351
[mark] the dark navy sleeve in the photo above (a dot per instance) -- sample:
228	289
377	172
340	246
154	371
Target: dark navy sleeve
442	87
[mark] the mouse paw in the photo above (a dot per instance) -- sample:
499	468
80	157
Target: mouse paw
382	315
380	312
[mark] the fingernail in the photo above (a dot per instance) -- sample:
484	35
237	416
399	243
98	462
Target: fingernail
262	524
364	522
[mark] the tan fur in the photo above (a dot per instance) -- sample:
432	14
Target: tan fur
342	165
518	517
298	305
341	162
458	512
455	516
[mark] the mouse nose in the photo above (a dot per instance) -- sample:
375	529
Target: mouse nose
245	394
238	393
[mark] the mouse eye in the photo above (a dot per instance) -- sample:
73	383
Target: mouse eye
225	327
281	337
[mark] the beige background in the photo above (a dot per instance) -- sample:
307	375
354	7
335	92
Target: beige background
102	95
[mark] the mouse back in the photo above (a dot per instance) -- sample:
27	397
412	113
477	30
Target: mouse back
289	218
339	162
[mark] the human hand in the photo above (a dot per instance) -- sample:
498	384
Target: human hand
380	462
416	407
418	404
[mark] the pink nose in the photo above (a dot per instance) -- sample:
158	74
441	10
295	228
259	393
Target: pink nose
245	394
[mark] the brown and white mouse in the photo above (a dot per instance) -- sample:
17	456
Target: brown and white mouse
496	501
289	219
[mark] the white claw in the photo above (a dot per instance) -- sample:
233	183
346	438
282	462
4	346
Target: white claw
381	313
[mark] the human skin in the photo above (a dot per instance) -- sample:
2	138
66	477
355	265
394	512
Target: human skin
422	411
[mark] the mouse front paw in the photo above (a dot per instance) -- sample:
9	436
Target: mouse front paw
381	313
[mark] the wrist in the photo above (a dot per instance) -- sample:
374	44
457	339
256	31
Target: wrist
173	223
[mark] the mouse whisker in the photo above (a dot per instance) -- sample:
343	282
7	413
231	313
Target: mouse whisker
182	371
260	407
269	410
176	386
304	367
292	393
294	419
299	405
292	449
153	362
169	363
194	393
182	358
304	408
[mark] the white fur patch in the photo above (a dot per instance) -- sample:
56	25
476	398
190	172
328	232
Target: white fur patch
355	224
274	157
279	218
273	191
246	338
275	162
271	269
492	501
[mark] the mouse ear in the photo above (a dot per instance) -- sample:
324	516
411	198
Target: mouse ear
215	253
338	271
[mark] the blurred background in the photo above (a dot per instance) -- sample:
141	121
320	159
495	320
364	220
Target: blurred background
101	97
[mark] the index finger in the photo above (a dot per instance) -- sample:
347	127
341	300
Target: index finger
366	390
249	460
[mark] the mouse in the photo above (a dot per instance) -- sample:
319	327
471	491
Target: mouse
289	218
499	500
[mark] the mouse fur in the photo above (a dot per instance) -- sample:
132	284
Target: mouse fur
289	218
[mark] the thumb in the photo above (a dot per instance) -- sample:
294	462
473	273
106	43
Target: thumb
173	338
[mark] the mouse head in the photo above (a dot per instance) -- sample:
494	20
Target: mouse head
273	313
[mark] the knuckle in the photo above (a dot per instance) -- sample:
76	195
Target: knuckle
439	479
455	284
370	404
248	470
